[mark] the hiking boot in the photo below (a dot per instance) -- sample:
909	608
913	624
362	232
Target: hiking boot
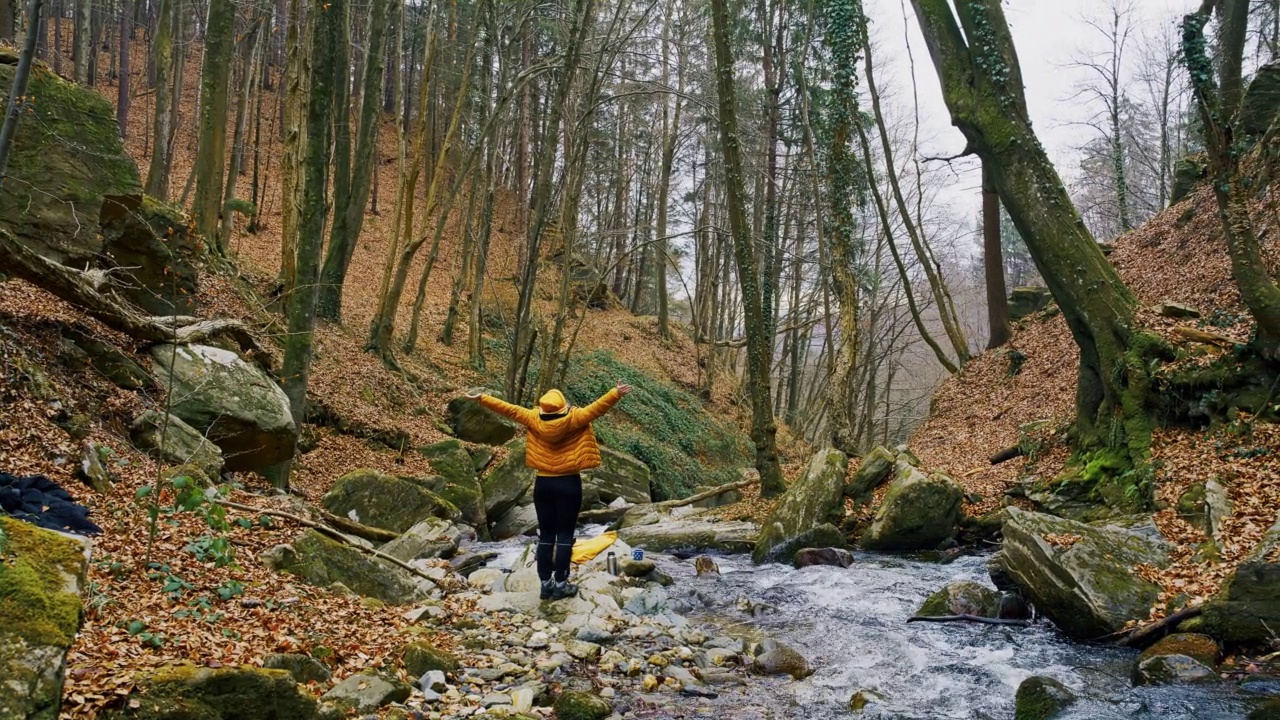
563	590
548	590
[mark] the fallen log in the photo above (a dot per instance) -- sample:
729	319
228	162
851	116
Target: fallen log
1144	636
352	527
969	618
1006	455
1204	338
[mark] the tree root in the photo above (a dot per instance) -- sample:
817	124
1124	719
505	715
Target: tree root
970	618
1144	636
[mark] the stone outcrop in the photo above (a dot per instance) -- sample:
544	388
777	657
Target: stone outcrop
814	500
1247	610
323	562
919	511
386	501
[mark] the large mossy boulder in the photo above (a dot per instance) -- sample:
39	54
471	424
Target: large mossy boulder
816	499
507	482
473	423
1187	173
919	511
1028	300
619	476
963	597
1247	610
574	705
874	469
303	668
420	658
156	257
692	533
1042	698
322	562
431	538
1082	577
1261	104
66	156
42	573
386	501
366	692
457	481
177	442
236	405
187	692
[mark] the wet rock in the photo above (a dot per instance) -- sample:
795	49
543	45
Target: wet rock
875	468
385	501
705	565
638	568
1176	310
183	692
919	512
1042	698
421	658
177	442
862	699
457	480
815	500
582	650
782	660
962	598
619	476
1201	647
45	570
431	538
472	423
1247	610
303	668
519	520
835	557
237	406
367	692
574	705
508	482
322	562
692	533
1172	670
1087	587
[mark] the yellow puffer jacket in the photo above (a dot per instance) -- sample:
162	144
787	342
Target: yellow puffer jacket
564	445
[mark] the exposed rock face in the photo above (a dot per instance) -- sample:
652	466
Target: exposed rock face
519	520
322	562
692	534
386	501
875	468
816	499
81	346
619	476
42	573
431	538
1086	586
472	423
234	404
1028	300
1247	610
367	691
177	442
918	512
157	258
457	480
187	692
508	482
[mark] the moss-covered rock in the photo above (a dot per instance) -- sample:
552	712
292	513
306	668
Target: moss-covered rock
303	668
66	155
322	562
1172	670
919	512
1247	610
236	405
507	482
177	442
814	500
473	423
457	480
1194	645
1266	710
366	692
1081	576
962	598
386	501
1187	173
157	257
41	576
619	476
779	659
84	349
574	705
187	692
828	556
875	468
1028	300
431	538
420	658
1042	698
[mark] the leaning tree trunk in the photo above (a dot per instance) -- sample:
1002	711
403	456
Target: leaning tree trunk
18	92
211	151
982	86
759	339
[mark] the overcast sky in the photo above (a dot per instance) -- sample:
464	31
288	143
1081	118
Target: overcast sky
1048	34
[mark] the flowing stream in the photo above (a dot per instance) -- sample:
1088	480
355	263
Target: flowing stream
850	624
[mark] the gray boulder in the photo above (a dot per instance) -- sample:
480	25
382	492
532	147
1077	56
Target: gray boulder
619	476
1083	580
574	705
367	691
834	557
177	442
322	562
234	404
431	538
519	520
875	468
962	598
1247	610
507	482
386	501
104	358
816	499
1172	670
457	481
779	659
918	512
692	534
46	571
473	423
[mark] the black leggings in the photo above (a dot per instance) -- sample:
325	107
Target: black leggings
556	501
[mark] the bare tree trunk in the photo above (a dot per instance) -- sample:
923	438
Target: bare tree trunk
211	151
993	264
249	69
17	94
670	136
157	184
80	53
122	85
297	70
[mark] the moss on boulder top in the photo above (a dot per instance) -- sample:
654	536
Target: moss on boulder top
66	156
187	692
387	501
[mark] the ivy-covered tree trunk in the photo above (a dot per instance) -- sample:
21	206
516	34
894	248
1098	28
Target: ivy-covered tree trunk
81	49
1219	105
327	16
211	151
157	183
973	53
759	340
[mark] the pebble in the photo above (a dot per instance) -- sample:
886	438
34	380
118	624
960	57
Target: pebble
608	693
537	641
650	683
434	680
495	699
658	661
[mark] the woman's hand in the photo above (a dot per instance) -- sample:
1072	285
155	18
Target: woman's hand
623	389
473	394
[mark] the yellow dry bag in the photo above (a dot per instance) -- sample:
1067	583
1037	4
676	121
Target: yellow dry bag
587	548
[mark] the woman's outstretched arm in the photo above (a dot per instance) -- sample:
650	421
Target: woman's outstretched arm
594	411
524	416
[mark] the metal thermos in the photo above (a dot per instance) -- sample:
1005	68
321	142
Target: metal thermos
611	561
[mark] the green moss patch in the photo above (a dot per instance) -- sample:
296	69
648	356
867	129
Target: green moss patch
34	603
